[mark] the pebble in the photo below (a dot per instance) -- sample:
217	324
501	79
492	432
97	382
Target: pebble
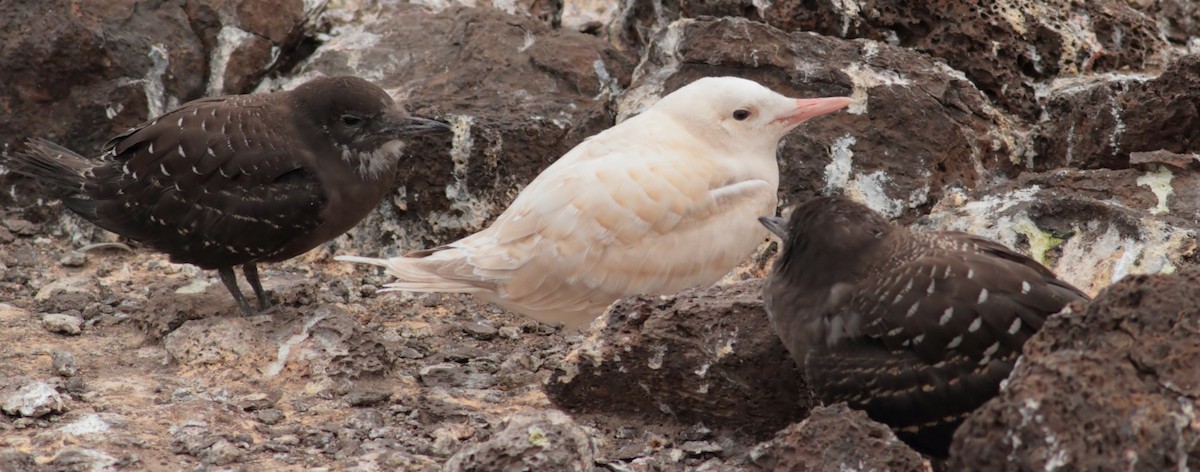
269	416
63	363
63	324
73	259
461	353
80	458
448	437
510	332
626	432
21	227
255	402
446	374
479	330
696	448
547	439
697	433
449	374
222	452
365	398
409	353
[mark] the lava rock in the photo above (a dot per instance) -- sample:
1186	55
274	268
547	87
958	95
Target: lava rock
1100	120
837	438
1003	47
16	460
21	227
63	324
1179	19
212	341
270	416
63	363
365	398
80	73
67	294
532	440
256	401
247	39
480	331
82	458
1091	227
870	151
449	374
1114	384
35	399
353	351
701	356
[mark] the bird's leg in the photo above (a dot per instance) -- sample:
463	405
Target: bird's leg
251	272
230	280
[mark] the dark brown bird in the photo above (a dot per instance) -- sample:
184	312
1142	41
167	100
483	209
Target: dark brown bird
243	179
917	329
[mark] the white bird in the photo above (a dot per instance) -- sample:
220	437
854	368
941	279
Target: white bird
666	200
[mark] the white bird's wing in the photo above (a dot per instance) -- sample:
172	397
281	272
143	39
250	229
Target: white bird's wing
591	230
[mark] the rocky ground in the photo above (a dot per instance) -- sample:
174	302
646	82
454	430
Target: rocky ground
1067	129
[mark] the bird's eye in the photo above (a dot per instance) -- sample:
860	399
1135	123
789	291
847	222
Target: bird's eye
741	115
351	120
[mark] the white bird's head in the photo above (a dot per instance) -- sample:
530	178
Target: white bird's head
742	113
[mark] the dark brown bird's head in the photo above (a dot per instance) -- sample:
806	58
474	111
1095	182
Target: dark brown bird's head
823	231
361	119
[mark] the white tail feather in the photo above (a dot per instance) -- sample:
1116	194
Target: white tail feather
362	260
444	287
414	275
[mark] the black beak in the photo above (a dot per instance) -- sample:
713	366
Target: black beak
775	225
413	126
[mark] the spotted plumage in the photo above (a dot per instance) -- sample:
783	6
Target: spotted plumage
917	329
238	180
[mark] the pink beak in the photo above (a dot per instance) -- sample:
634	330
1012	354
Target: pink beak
807	108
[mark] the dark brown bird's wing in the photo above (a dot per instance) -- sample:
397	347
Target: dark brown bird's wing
210	184
939	331
965	295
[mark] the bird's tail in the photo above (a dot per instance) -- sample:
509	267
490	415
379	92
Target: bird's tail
51	163
419	274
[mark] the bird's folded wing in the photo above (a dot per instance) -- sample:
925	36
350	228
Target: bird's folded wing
967	302
207	140
223	191
622	224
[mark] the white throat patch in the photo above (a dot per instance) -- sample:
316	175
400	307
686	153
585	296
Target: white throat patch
369	165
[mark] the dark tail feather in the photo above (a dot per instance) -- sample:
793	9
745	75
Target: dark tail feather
50	163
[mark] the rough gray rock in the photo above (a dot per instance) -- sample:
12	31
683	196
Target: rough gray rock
80	73
63	324
63	363
703	355
1111	385
836	438
35	399
213	341
533	440
82	458
1098	121
16	461
1003	47
1092	227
